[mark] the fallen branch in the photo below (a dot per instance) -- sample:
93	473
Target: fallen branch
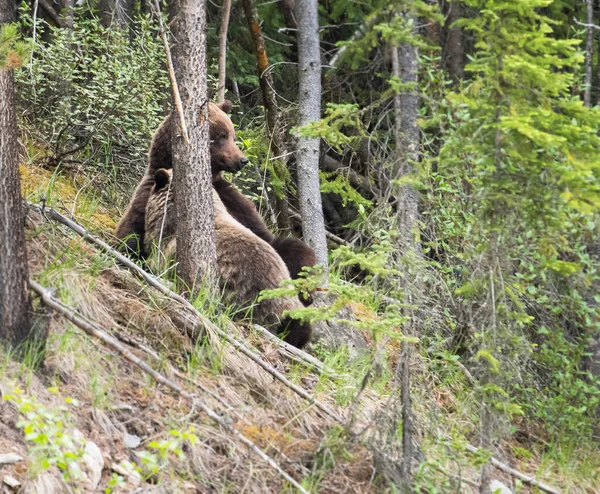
528	479
174	86
114	344
296	353
199	318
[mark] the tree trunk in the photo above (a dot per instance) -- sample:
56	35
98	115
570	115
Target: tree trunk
196	254
405	66
270	102
115	13
309	110
454	51
223	50
598	57
15	306
589	54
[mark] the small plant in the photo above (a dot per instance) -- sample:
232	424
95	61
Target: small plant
50	432
155	462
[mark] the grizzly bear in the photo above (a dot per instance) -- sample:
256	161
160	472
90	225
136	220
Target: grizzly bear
225	156
294	252
247	264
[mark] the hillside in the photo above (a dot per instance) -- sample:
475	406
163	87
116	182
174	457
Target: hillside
438	162
86	389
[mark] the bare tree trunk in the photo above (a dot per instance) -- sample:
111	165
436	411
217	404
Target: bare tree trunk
15	306
407	421
115	13
309	110
196	253
223	50
405	66
270	102
454	52
589	53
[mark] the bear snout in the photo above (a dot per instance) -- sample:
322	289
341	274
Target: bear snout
242	162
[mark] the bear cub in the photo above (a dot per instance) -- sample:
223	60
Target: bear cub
247	264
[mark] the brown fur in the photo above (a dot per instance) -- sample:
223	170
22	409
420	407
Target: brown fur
247	264
295	253
225	156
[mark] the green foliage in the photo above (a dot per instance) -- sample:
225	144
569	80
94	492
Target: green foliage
12	48
172	445
515	196
93	95
337	183
329	128
50	432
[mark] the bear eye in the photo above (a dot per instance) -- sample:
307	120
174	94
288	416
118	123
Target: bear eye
223	135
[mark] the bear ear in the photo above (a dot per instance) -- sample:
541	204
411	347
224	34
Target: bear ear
162	178
226	106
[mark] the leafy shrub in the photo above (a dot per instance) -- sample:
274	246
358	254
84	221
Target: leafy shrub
94	96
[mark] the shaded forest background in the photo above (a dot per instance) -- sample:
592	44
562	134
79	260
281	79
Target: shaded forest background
459	172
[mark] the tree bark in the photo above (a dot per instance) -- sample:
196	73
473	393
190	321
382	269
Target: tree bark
309	110
589	53
405	66
454	51
15	305
223	50
196	253
115	13
270	102
597	86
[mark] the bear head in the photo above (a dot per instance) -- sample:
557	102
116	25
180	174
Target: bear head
225	155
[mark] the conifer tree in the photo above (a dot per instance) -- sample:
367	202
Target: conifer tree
15	307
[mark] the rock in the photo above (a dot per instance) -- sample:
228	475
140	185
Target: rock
8	458
128	472
92	461
46	483
11	481
333	333
497	487
131	440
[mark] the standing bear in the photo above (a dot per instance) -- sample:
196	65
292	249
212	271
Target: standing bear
247	264
225	156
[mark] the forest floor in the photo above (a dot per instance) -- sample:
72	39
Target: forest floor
144	437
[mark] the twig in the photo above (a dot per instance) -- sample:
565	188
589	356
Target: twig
338	240
362	29
113	343
199	317
528	479
174	86
583	24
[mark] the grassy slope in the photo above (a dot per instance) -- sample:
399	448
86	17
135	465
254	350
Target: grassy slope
115	399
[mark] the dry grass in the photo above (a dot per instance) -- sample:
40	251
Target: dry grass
117	399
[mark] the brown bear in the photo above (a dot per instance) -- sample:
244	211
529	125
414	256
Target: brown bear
294	252
225	156
247	264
